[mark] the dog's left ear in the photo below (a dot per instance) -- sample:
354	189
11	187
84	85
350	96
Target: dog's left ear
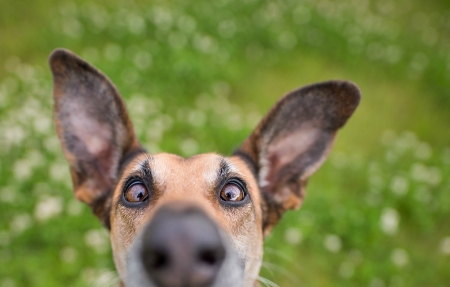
93	126
293	140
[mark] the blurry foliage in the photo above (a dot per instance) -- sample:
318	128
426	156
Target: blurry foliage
196	77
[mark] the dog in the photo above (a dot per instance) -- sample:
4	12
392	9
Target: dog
197	221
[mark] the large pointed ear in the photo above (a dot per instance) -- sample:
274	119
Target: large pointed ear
93	126
293	140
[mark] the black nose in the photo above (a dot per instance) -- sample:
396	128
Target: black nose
182	248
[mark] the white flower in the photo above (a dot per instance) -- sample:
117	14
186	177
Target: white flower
112	52
189	147
419	172
205	44
186	23
8	194
196	118
390	219
446	156
68	254
100	277
177	40
42	125
22	169
293	236
346	269
400	257
7	282
97	240
20	223
74	207
399	185
59	171
377	282
143	60
163	18
227	28
72	27
445	245
287	40
339	159
432	175
423	151
333	243
136	24
48	207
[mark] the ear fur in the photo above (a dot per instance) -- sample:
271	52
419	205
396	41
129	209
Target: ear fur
93	126
293	140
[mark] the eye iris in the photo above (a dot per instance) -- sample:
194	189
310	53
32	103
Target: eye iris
232	192
136	193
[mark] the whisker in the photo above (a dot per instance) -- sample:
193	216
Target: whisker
106	278
272	267
283	256
267	266
267	282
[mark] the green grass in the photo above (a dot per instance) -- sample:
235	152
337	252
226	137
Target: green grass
196	76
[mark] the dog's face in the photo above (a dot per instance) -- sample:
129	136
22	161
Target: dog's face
221	189
198	221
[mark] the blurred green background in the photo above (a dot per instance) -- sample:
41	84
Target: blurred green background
196	77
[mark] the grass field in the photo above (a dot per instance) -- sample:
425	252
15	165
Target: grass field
197	76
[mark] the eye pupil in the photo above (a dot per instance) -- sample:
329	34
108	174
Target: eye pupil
136	193
232	192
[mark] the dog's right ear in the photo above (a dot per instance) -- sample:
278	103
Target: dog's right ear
93	126
293	140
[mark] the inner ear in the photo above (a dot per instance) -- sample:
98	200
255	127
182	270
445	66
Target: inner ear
294	139
299	153
92	124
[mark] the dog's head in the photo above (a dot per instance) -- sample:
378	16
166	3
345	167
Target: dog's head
197	221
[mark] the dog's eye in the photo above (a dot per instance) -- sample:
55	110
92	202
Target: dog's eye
232	192
136	193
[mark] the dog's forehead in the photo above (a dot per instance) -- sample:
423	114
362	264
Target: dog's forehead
168	170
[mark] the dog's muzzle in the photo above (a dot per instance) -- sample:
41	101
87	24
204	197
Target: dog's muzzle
182	247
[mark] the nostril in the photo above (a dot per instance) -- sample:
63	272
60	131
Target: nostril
156	259
211	257
208	257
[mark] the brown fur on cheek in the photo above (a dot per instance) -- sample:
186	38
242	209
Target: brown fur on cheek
125	225
249	176
123	221
247	228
